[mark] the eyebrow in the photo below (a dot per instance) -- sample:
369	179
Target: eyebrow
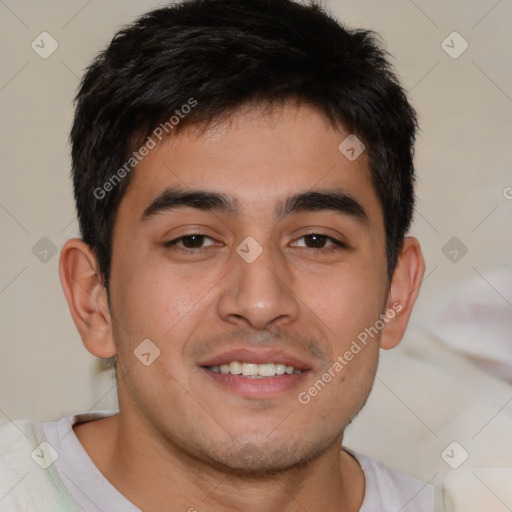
335	200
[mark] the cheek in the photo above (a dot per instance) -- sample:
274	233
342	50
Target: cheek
151	298
346	301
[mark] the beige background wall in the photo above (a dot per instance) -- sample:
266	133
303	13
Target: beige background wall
463	161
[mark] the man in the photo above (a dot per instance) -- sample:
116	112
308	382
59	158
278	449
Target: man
243	177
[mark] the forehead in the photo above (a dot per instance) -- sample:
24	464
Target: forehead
256	159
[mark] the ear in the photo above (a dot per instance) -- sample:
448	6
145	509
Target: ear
86	297
403	290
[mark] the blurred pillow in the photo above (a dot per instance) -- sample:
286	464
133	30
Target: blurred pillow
475	319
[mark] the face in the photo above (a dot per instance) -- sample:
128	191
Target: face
248	276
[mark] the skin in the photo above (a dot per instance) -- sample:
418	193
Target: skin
179	438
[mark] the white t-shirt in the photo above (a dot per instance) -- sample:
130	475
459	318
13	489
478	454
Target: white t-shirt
43	467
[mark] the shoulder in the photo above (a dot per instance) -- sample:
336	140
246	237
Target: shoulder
387	489
28	479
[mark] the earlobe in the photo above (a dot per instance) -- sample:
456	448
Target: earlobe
86	297
403	292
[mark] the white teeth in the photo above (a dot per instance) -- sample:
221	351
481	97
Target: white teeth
249	369
267	370
235	368
280	369
253	370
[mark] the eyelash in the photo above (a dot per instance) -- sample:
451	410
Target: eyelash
338	245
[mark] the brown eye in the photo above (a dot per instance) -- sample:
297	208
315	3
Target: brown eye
189	242
193	241
317	241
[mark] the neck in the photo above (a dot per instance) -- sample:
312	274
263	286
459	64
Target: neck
152	473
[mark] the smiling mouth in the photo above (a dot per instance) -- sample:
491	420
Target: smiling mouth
255	380
254	370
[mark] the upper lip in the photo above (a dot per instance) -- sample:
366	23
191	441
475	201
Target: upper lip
259	356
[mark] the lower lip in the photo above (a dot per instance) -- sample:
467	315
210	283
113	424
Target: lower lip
265	387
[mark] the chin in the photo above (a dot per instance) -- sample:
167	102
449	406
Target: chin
255	458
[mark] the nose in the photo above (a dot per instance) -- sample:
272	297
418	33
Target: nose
259	293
